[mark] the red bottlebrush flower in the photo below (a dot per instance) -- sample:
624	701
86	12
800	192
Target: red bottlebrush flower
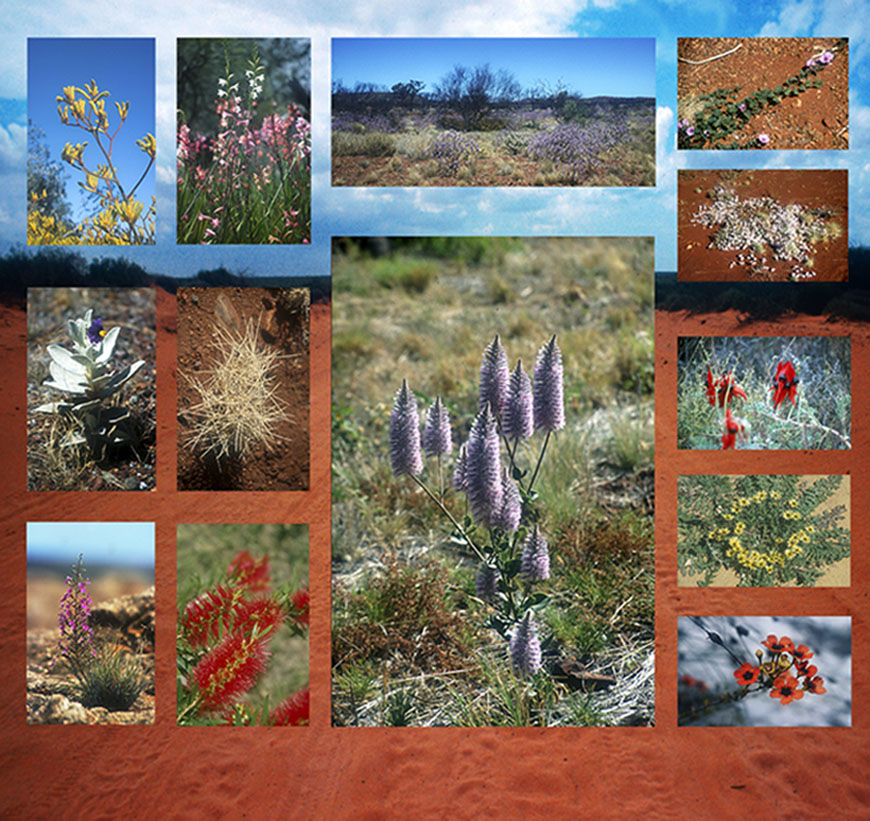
230	670
733	428
802	653
293	711
815	685
261	615
721	390
786	689
246	571
301	601
783	645
203	618
747	674
784	384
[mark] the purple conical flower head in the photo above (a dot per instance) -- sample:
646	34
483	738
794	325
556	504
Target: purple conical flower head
508	515
483	468
517	421
525	647
459	469
494	376
549	390
405	456
486	583
535	559
437	439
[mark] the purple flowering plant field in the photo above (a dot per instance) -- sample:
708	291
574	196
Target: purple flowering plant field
492	489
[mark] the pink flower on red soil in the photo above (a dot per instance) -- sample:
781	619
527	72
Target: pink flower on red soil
764	139
293	711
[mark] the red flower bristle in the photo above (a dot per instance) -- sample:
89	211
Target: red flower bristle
293	711
230	670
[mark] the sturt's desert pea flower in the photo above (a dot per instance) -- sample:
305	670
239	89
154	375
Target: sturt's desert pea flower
733	427
508	515
486	582
405	455
535	559
494	376
437	439
483	468
518	420
549	402
722	388
784	384
525	647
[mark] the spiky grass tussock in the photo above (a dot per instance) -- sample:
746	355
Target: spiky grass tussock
238	409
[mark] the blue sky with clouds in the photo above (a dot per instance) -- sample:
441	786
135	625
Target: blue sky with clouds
117	544
342	211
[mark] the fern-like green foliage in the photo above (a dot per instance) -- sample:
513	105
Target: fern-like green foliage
770	530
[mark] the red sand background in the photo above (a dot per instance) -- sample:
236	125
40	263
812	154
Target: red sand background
321	772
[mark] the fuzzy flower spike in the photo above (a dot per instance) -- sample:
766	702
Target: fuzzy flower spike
549	403
518	422
494	376
405	455
437	439
525	647
483	479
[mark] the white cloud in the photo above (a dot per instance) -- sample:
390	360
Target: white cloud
794	17
13	146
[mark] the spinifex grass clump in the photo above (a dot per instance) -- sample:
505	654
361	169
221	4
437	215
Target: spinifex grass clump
761	226
223	648
84	374
122	220
503	528
106	676
252	182
769	530
238	408
722	112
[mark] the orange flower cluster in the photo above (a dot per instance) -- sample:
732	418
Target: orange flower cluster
787	673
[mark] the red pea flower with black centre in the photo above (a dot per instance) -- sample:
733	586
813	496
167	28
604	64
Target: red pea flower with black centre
783	645
786	689
785	384
747	674
733	427
722	389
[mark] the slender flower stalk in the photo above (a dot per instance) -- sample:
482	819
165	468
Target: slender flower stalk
405	455
75	646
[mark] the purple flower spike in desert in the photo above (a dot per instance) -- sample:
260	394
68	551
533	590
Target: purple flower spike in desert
518	422
549	390
486	583
483	468
437	439
494	376
405	455
535	560
525	647
508	515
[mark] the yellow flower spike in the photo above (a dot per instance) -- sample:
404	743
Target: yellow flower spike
78	109
69	94
91	181
148	144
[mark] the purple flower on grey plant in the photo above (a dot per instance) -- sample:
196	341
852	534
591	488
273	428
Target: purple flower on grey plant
549	390
486	583
459	469
95	331
508	515
405	456
494	376
535	558
517	420
483	468
437	439
525	647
